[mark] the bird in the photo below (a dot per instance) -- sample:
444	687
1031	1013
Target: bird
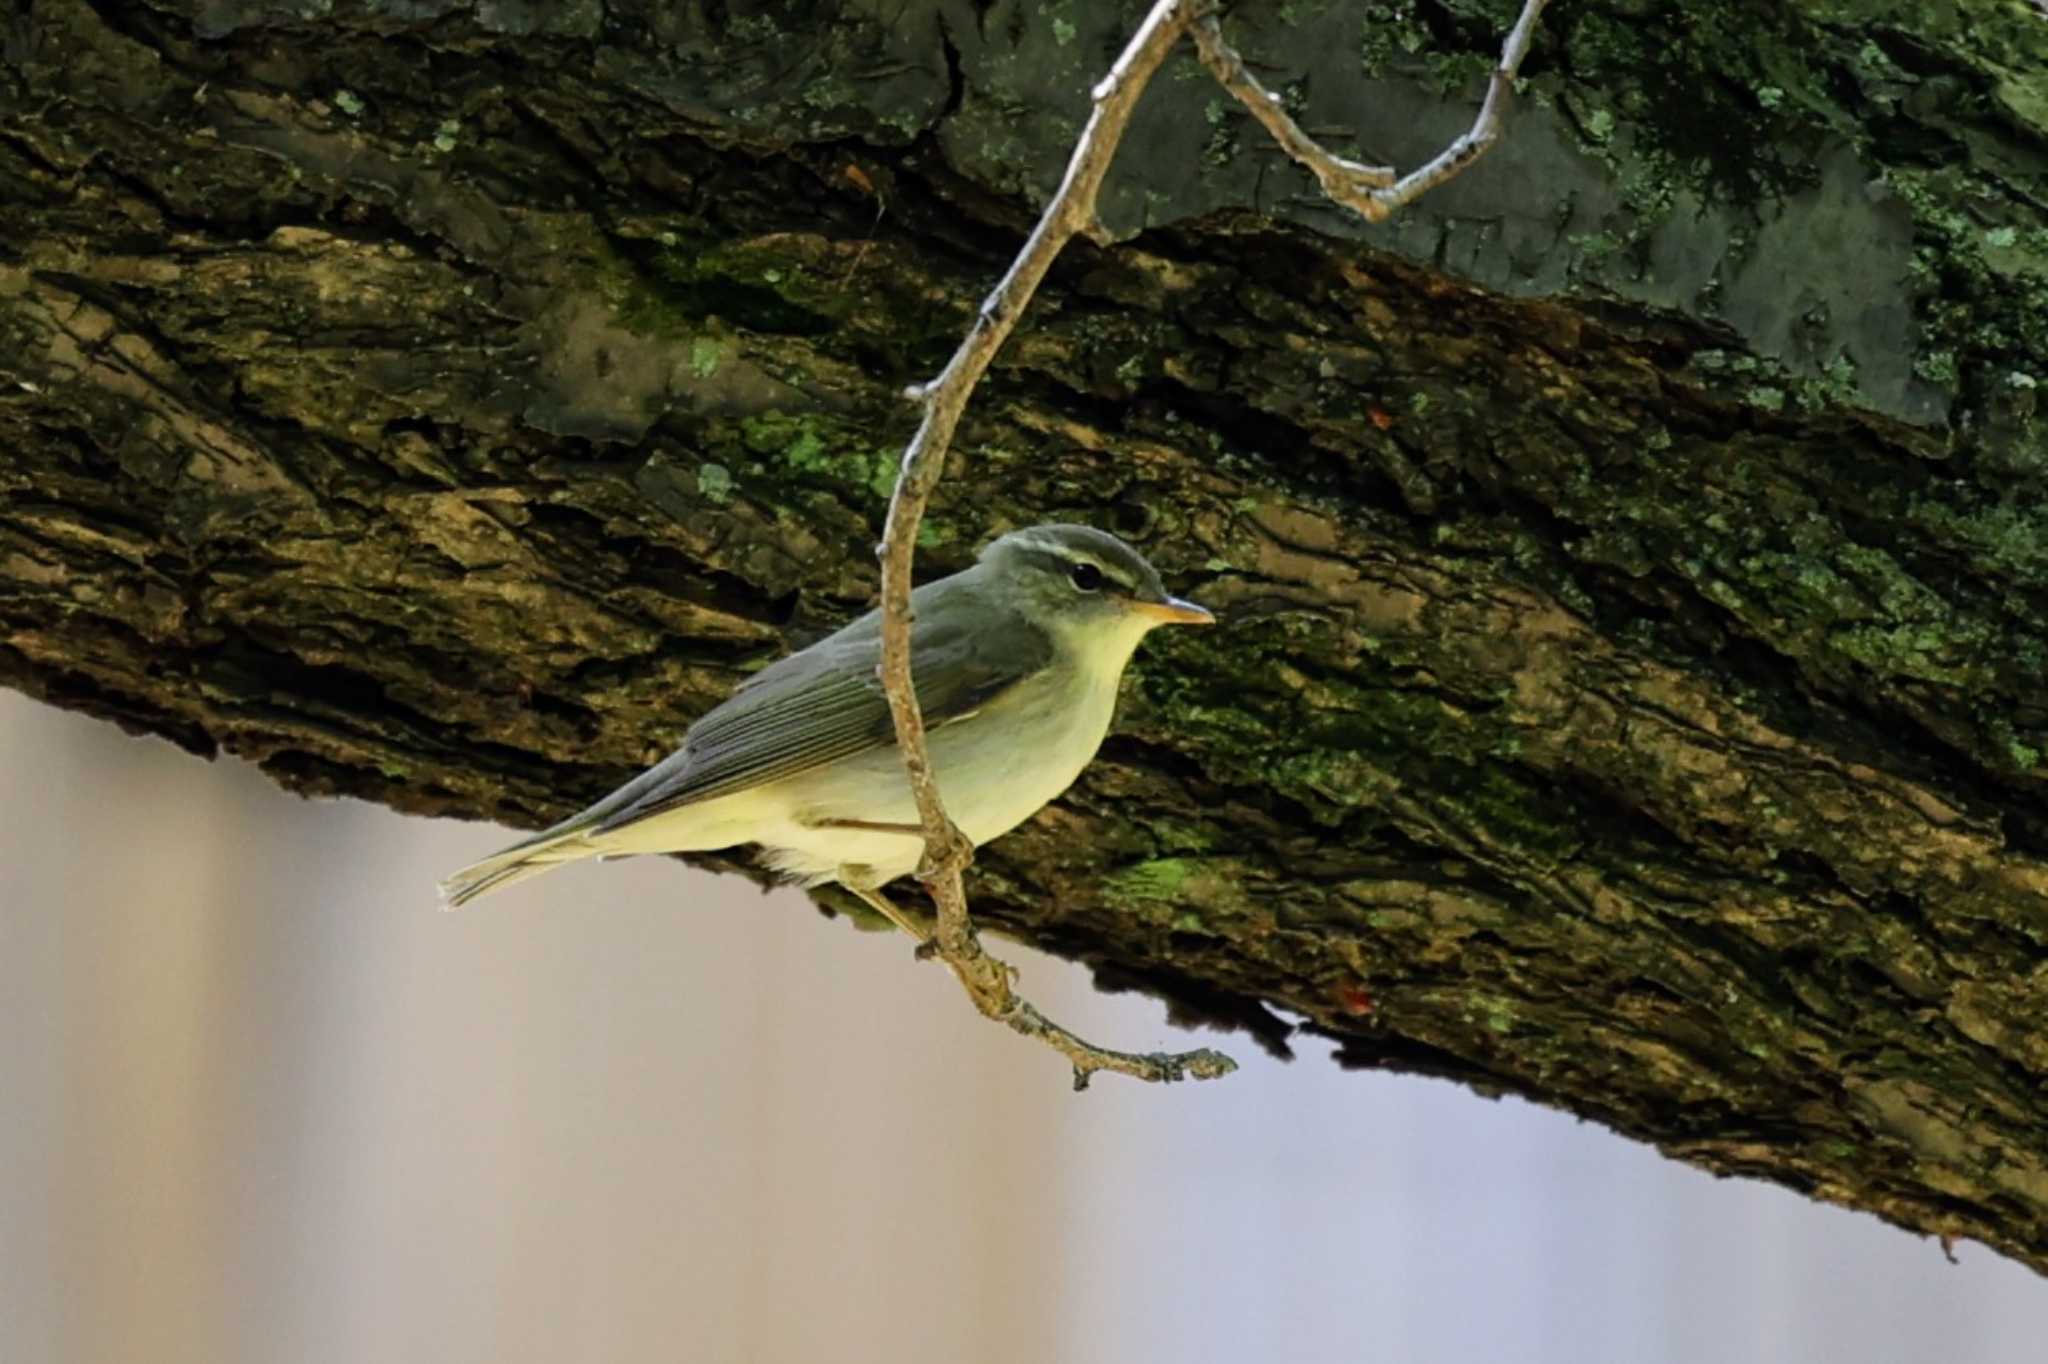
1016	661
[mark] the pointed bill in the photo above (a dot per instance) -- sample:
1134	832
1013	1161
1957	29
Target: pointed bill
1174	611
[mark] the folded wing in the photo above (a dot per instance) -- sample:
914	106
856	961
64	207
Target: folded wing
827	704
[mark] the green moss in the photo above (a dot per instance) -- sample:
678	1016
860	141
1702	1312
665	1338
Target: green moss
1522	811
2011	535
1159	879
1173	835
1193	891
1389	30
1716	80
798	440
1937	367
1330	780
1983	307
714	481
1836	386
1451	73
826	448
1356	738
1923	651
1219	150
669	284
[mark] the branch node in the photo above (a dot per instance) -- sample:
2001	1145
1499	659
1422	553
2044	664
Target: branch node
949	855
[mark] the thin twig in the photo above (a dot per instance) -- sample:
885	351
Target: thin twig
947	850
1371	191
1347	182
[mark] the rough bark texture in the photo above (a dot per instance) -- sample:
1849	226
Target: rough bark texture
1634	559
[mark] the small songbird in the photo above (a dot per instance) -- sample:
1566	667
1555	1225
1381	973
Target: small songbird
1016	662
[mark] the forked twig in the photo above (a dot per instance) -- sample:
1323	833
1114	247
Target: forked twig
1371	191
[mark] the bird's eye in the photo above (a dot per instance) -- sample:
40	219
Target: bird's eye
1086	577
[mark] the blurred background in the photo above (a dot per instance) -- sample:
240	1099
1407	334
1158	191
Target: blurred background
260	1102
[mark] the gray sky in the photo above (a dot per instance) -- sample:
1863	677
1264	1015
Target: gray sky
263	1103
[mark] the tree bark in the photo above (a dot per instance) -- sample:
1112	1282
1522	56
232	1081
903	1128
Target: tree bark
1632	558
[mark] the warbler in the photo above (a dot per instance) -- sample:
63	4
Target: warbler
1016	663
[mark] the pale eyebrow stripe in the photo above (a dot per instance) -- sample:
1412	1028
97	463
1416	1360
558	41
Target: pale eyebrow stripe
1065	556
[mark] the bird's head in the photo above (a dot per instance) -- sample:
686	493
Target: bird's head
1084	586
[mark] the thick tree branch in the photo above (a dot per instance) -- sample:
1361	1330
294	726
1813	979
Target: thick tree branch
1631	696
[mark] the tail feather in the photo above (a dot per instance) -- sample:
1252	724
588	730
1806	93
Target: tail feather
543	852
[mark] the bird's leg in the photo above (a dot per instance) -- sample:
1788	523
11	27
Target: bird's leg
851	878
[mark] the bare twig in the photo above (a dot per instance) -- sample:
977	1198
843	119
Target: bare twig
1346	182
947	850
1371	191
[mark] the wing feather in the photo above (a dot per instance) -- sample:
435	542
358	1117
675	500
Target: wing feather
826	703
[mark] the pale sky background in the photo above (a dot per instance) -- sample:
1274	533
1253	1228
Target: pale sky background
260	1102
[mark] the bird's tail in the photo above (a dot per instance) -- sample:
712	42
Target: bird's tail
543	852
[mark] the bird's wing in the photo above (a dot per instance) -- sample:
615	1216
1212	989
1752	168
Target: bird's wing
827	703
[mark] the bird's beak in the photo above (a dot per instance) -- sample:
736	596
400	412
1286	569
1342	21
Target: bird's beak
1174	611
